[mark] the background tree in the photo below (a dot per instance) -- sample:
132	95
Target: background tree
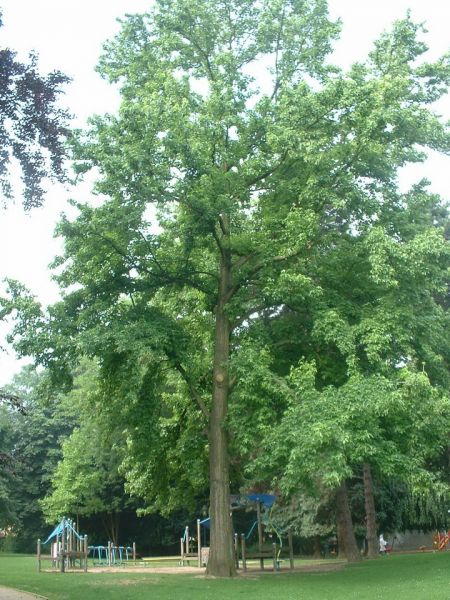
33	444
86	481
33	128
328	437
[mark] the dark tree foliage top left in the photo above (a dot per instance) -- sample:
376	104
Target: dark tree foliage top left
32	126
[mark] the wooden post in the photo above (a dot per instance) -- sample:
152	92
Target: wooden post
236	549
62	553
134	552
187	539
109	553
182	551
274	556
55	561
86	551
291	548
244	562
260	533
39	555
199	544
70	559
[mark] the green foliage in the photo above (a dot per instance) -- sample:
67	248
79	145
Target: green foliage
33	128
32	444
395	425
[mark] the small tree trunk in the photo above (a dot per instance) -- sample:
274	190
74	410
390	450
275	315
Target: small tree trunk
116	527
345	525
221	560
369	503
316	543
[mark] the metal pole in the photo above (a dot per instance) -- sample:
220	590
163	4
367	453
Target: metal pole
244	562
39	555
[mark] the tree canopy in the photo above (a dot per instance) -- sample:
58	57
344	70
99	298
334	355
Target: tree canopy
33	126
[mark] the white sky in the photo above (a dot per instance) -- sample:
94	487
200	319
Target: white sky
68	35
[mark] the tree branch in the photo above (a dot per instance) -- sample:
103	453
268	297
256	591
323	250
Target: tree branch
13	400
267	173
194	393
234	289
243	260
277	51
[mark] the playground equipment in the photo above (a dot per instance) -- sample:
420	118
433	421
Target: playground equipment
440	540
112	555
264	525
68	550
191	547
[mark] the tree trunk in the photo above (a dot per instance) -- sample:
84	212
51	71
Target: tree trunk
316	545
341	540
110	522
221	560
345	525
369	503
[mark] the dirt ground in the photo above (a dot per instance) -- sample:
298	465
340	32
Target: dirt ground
252	570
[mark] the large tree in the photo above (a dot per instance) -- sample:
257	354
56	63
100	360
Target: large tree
254	159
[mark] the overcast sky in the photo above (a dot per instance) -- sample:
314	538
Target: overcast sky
68	35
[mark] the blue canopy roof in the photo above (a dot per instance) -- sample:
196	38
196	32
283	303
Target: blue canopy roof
267	499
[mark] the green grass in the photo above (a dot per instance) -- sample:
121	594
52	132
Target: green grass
402	577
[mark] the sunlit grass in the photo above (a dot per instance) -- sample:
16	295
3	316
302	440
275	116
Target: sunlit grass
402	577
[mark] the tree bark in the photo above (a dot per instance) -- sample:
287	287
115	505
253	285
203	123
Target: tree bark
221	560
316	544
371	522
111	523
341	541
345	524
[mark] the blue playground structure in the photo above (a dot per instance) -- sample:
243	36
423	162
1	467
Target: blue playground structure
112	555
245	547
261	549
68	549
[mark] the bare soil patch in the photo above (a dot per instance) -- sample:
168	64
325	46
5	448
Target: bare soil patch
251	570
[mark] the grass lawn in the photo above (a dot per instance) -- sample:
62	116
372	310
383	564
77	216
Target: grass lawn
397	577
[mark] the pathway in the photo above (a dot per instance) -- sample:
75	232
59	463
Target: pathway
10	594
